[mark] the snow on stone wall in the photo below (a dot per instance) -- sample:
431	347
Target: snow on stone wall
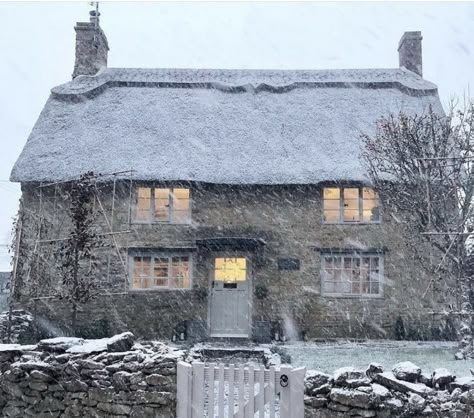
67	377
404	392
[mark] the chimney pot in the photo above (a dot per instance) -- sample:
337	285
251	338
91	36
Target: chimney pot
410	52
91	47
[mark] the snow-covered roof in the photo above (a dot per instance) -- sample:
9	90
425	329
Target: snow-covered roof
217	126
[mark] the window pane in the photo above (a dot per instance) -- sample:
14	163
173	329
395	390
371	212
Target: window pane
162	203
352	193
331	193
141	272
181	205
371	210
180	272
143	204
368	193
351	215
331	205
230	269
332	215
161	271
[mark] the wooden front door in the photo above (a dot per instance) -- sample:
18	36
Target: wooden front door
229	301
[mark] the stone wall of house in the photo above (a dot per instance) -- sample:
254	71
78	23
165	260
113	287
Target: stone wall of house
404	392
70	377
287	219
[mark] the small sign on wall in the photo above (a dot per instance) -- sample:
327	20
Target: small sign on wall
288	264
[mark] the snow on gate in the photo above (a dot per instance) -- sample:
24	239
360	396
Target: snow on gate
219	391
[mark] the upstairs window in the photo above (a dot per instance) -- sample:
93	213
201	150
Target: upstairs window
351	274
350	205
157	204
151	271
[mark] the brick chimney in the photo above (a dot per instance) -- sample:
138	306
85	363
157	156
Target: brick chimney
409	52
91	47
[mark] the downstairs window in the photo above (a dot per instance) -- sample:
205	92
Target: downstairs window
351	274
159	271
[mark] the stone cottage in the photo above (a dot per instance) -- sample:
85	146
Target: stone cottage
234	200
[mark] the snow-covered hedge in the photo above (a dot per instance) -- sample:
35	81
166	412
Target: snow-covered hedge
404	392
71	377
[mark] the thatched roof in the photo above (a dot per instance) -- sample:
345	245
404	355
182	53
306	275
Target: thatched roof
217	126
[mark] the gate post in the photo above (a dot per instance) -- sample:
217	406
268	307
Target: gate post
183	390
297	392
285	398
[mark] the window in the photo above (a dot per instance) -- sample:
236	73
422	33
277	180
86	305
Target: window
350	205
160	271
156	204
352	274
230	269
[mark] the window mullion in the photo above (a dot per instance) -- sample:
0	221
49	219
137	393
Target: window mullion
341	205
170	270
151	215
170	203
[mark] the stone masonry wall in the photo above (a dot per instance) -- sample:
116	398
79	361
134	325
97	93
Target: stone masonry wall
404	392
289	221
70	377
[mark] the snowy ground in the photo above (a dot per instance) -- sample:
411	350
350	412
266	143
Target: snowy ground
328	357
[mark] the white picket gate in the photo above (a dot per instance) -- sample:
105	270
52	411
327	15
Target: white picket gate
219	391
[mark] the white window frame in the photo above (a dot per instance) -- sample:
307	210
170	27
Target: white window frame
151	210
341	205
353	255
159	254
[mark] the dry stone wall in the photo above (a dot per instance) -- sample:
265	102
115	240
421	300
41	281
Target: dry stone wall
71	377
404	392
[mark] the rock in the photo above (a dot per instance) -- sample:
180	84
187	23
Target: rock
416	403
373	369
464	383
316	402
121	342
321	390
393	404
379	393
388	380
467	397
121	380
350	397
407	371
367	413
59	344
426	379
116	409
40	376
158	380
456	394
89	364
75	386
442	377
338	407
350	377
314	379
459	355
39	386
427	411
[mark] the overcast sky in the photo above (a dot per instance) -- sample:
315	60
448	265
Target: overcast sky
37	50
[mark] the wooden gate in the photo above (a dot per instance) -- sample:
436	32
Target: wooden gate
219	391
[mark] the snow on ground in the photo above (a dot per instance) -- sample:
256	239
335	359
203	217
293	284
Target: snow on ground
328	357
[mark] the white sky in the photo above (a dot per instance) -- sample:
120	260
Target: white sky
37	50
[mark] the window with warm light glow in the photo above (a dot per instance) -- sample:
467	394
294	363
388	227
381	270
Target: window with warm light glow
160	271
351	274
230	269
159	204
350	205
